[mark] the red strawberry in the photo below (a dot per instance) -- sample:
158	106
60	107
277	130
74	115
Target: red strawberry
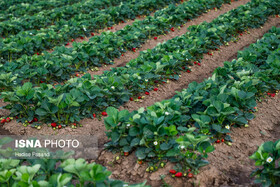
190	175
72	40
104	114
140	162
218	141
75	124
273	95
59	126
147	93
35	119
172	171
77	75
268	93
189	19
183	68
38	53
241	34
67	44
199	64
94	115
163	82
41	81
53	124
126	153
3	121
139	97
179	174
133	49
109	28
155	89
122	21
112	28
8	119
122	54
155	81
92	34
223	140
82	37
155	38
131	99
188	71
189	170
277	16
195	62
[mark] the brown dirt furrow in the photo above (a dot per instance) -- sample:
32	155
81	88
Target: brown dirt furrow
229	165
166	91
129	55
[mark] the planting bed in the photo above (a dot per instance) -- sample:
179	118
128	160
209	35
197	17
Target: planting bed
135	146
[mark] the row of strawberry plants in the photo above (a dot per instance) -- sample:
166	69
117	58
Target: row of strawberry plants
211	109
109	45
58	16
54	172
81	97
30	42
30	8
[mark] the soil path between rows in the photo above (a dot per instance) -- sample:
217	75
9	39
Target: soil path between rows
229	165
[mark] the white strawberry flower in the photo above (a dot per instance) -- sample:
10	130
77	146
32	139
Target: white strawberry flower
128	125
155	143
113	87
228	127
84	29
269	159
30	33
166	113
146	80
182	147
125	185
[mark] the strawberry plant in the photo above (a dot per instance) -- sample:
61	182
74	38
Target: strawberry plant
267	156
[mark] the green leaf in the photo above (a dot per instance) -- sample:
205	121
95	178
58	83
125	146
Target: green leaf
134	131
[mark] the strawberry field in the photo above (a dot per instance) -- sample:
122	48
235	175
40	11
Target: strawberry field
176	92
